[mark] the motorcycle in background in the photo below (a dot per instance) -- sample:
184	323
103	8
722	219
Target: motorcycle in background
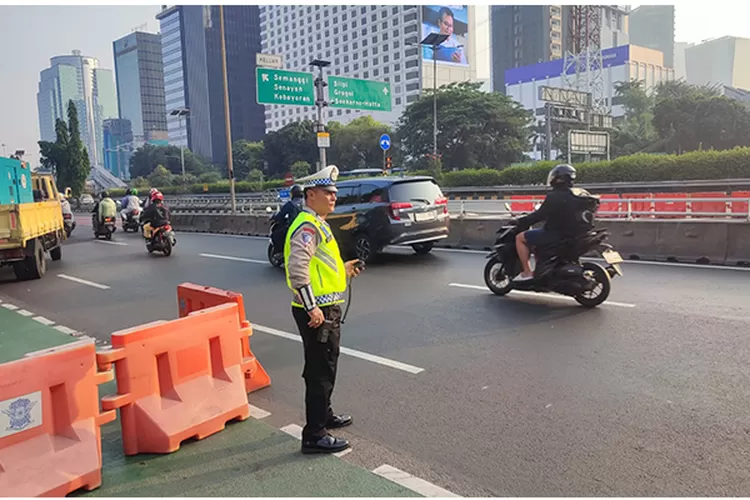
160	239
275	255
131	221
106	228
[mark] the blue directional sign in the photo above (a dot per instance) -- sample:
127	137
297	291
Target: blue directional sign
385	142
284	194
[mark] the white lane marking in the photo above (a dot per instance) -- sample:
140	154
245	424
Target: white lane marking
540	295
190	233
65	330
24	312
413	483
10	307
345	350
43	320
295	431
679	264
237	259
627	262
118	243
258	413
83	281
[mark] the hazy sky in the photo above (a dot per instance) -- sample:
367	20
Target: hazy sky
29	36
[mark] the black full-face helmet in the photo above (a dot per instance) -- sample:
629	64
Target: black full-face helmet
562	175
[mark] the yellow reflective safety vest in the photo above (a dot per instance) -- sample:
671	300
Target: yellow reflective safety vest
327	270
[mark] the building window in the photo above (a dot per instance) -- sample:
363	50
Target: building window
412	98
412	75
412	63
398	101
375	72
366	74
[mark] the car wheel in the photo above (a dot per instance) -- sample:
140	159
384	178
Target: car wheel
423	248
364	249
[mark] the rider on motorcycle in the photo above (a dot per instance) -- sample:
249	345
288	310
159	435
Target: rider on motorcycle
155	215
561	213
106	207
286	215
129	203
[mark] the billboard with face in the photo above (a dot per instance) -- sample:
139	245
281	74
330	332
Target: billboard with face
451	20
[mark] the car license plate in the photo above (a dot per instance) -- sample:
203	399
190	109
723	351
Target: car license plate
612	257
424	216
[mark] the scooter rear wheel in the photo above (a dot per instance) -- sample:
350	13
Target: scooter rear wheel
496	277
601	290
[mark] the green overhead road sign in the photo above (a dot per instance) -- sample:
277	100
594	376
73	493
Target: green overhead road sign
278	86
353	93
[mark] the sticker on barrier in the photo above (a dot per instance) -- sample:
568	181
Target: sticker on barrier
50	437
178	379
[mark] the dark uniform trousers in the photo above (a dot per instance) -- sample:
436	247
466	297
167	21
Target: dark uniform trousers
321	362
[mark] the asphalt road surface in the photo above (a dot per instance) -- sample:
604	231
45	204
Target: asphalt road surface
523	395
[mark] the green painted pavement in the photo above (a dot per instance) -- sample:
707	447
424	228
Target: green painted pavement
21	334
249	458
246	459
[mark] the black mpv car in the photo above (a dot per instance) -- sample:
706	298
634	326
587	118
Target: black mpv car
376	212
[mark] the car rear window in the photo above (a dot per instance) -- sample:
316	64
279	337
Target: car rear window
426	191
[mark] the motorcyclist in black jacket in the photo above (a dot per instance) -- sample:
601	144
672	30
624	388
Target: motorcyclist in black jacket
561	212
286	215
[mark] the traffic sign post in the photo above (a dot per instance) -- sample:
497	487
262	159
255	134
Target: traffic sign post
288	179
385	145
353	93
278	86
324	140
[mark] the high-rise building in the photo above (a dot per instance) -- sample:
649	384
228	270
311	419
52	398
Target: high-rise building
374	42
140	84
523	35
77	78
118	147
652	26
680	65
723	61
191	55
622	64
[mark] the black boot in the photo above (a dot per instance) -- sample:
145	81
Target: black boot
326	444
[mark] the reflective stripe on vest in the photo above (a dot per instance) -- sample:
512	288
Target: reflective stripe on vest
327	271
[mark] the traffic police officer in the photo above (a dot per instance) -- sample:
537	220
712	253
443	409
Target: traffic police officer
317	277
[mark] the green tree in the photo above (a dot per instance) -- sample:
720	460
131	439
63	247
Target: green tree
146	158
67	157
295	141
161	177
356	144
247	156
689	117
475	128
635	132
300	169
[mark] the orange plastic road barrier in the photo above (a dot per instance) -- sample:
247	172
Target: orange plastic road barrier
740	208
521	204
177	379
193	298
718	207
50	437
610	203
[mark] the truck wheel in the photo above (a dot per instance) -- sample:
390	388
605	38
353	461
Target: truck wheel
56	253
33	266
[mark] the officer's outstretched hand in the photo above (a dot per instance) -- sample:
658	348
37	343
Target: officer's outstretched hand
353	268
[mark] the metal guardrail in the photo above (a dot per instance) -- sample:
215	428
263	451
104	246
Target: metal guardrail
626	208
734	207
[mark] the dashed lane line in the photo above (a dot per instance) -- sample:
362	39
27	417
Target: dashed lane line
413	483
540	295
117	243
83	281
258	413
398	365
236	259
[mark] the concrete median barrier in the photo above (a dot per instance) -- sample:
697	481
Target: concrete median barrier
672	240
738	244
701	242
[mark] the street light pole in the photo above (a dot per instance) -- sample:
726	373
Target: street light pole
320	103
182	149
434	101
227	120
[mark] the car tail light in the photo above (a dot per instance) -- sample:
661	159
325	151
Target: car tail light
395	209
444	202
